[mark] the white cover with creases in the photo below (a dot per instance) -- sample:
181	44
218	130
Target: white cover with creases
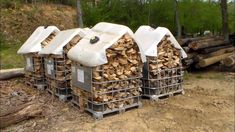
33	43
95	54
61	39
148	38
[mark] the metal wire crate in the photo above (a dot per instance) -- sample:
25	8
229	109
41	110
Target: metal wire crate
165	82
104	97
58	78
34	71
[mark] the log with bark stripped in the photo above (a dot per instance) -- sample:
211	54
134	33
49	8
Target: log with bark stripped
212	60
229	61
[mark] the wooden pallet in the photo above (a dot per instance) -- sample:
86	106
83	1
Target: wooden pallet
165	95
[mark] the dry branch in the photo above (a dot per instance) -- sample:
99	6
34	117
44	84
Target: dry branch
20	113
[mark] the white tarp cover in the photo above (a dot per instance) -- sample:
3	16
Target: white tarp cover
95	54
61	39
33	43
148	38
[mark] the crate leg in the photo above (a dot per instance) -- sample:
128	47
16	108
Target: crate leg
98	115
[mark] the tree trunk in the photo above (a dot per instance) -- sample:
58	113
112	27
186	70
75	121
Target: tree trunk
79	14
11	73
177	19
224	13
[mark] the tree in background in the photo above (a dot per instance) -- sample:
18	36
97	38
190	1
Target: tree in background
195	16
79	14
224	15
177	19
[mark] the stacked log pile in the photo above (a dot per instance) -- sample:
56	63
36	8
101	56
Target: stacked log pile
37	74
168	57
116	83
206	51
62	68
164	71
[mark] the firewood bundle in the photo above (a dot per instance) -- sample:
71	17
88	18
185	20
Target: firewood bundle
37	66
62	63
123	62
48	39
116	83
72	43
168	57
38	63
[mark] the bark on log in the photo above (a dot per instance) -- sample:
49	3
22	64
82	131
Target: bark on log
229	61
222	51
198	57
11	73
206	44
187	41
20	113
213	49
211	60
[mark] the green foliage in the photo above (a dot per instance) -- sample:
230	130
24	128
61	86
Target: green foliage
8	55
9	3
195	15
231	16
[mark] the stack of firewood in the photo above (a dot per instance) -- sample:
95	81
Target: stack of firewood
124	69
62	66
206	51
38	65
168	57
48	39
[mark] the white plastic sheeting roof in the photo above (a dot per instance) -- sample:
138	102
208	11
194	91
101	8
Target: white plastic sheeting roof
149	38
61	39
33	43
95	54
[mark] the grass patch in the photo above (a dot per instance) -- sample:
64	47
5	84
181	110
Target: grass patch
199	77
8	56
218	76
186	75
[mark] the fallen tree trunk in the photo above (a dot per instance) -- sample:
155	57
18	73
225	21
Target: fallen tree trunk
222	51
213	49
11	73
229	61
186	41
198	57
206	44
211	60
20	113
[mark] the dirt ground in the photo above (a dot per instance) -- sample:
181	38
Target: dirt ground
207	105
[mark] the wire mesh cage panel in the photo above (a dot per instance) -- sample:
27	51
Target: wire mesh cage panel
34	70
160	82
58	76
104	97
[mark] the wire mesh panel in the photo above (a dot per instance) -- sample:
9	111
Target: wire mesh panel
103	97
57	71
34	71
